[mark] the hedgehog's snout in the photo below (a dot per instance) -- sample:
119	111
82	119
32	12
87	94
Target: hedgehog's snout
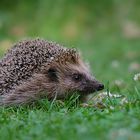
92	86
100	86
97	86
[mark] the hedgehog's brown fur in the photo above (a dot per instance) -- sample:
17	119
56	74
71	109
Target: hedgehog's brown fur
35	69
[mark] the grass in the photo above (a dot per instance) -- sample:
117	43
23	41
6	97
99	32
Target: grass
107	34
71	121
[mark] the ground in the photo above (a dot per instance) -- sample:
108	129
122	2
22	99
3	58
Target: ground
114	65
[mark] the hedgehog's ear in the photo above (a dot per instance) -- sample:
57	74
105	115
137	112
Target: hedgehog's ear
73	55
67	55
74	59
52	74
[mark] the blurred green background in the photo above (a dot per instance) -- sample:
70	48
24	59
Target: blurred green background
106	32
69	21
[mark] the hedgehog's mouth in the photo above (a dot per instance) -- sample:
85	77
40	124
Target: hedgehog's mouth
91	88
87	91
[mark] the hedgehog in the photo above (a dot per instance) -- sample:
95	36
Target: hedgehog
36	68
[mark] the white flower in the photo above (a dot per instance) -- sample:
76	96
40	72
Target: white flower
111	95
99	97
137	77
124	101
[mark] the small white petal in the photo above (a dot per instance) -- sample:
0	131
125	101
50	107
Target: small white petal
137	77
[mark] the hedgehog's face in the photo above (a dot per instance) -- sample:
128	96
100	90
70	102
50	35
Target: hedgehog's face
84	84
79	79
73	77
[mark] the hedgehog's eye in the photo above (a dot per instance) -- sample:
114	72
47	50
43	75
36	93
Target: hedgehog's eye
77	77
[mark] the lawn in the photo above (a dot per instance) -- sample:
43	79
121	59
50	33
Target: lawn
70	120
114	60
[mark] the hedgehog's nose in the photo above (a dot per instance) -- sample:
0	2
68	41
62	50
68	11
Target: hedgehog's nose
100	87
